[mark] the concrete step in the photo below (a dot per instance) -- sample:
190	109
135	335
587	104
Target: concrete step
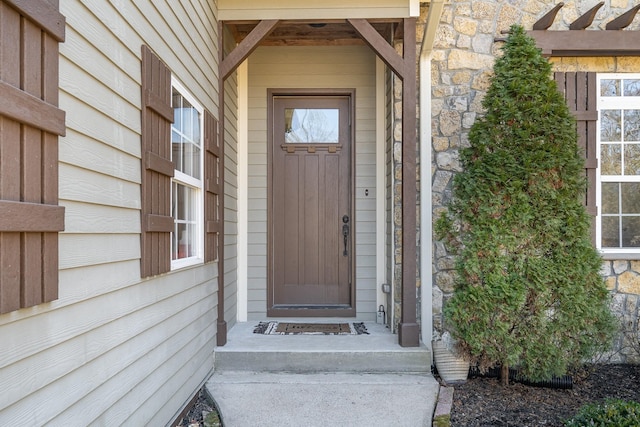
377	352
327	399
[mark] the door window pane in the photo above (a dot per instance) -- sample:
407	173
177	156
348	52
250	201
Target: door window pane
311	125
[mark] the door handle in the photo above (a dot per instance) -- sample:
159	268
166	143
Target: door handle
345	233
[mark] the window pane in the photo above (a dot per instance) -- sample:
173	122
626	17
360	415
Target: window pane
610	232
610	87
185	136
611	159
610	191
632	159
630	231
305	125
630	193
610	125
632	87
184	238
178	249
631	125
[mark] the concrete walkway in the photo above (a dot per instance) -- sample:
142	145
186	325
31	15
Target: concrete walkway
248	399
312	380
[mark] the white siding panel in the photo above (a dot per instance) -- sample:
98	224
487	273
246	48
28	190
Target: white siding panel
316	67
115	349
97	156
185	379
107	70
88	218
92	349
77	250
102	277
147	374
91	315
100	27
84	185
85	120
101	97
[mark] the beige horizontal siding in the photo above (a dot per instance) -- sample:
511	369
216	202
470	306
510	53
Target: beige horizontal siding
115	349
231	196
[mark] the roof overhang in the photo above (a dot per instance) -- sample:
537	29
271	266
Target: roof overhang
316	32
241	10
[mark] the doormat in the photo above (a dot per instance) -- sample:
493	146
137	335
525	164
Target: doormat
286	328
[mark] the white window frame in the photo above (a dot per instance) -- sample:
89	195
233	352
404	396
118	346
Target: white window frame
196	184
612	103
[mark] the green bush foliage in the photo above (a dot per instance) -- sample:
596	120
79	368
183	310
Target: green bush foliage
611	413
528	291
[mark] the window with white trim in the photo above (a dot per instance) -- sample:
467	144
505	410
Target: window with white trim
618	190
187	183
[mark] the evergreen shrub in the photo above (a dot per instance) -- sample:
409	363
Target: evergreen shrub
611	413
528	289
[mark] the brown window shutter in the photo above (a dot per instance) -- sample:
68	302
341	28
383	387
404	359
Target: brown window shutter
580	92
157	168
30	123
213	187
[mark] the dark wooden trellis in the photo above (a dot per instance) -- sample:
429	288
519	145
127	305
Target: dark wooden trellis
579	88
577	41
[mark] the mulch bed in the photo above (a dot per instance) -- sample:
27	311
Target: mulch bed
485	402
202	408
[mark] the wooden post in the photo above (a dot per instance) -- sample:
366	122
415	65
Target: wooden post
226	67
409	331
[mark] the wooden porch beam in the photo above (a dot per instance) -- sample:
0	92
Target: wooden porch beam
246	46
380	46
587	43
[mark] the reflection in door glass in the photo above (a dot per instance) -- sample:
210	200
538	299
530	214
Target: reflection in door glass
307	125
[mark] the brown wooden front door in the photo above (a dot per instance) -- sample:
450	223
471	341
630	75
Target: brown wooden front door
311	221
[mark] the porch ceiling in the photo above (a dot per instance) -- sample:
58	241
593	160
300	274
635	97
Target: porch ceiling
316	33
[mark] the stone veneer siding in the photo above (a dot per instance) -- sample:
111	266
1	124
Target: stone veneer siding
462	64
